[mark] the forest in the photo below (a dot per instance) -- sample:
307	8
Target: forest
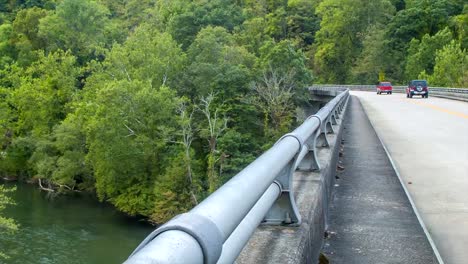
153	104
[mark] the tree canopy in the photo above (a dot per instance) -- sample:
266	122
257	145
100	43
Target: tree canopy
152	105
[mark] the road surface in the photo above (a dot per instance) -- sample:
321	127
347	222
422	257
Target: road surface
371	217
427	140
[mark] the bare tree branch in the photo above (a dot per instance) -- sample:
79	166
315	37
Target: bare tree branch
274	94
132	133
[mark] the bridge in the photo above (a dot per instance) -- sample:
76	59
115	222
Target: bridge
367	179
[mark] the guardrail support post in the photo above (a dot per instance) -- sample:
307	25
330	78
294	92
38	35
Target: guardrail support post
329	125
333	120
284	211
337	113
321	140
310	160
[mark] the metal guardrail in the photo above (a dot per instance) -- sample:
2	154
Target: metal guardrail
445	92
216	230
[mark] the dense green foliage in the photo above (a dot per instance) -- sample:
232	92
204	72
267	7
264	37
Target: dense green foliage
7	225
153	105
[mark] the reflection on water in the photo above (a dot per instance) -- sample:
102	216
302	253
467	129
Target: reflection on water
68	229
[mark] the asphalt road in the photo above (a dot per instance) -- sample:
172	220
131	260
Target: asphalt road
427	140
371	218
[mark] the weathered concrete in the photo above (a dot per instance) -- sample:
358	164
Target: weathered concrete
371	218
312	190
428	142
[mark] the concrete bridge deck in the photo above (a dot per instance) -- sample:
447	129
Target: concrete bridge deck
371	218
427	140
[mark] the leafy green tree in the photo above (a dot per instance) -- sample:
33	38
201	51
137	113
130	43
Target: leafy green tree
7	49
252	36
71	170
129	14
7	225
373	59
339	40
59	160
15	156
81	26
419	18
217	65
5	119
237	151
285	58
27	39
302	21
460	22
220	72
450	68
147	55
43	91
195	15
129	99
421	54
129	117
36	102
128	142
171	196
279	20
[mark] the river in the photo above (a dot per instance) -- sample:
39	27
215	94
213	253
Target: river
68	230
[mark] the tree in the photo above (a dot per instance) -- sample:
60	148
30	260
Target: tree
7	225
42	92
237	150
373	59
187	134
81	26
129	117
215	127
217	65
460	22
342	30
421	54
274	98
185	24
6	132
148	56
279	20
451	67
26	38
285	58
36	102
128	139
60	159
7	49
302	21
419	18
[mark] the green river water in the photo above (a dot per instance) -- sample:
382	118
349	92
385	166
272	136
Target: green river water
66	229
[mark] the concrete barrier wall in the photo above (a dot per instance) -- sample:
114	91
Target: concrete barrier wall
312	190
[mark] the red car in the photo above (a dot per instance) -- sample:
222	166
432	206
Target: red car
384	87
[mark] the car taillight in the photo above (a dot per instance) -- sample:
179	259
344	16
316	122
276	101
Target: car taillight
425	88
411	88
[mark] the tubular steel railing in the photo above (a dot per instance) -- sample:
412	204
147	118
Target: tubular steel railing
216	230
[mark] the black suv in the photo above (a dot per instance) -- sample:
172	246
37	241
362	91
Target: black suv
417	87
